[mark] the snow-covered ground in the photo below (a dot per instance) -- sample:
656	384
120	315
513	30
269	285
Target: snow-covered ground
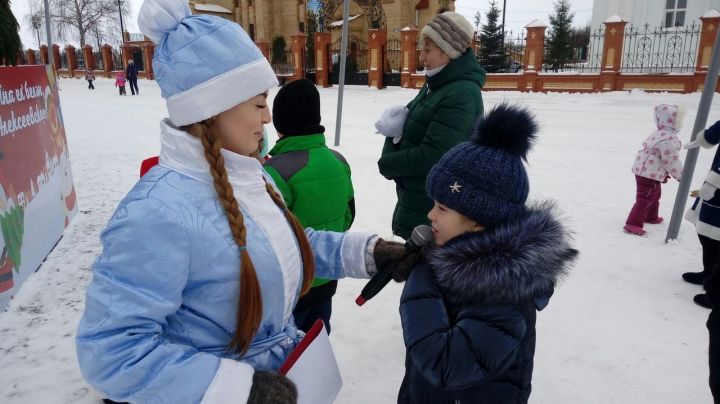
621	329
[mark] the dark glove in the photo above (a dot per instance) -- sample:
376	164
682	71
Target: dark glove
402	268
271	388
386	251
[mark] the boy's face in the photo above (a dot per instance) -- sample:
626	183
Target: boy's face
448	223
241	127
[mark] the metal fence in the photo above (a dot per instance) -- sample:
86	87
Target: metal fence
284	64
583	55
393	55
117	60
660	50
99	64
514	50
80	59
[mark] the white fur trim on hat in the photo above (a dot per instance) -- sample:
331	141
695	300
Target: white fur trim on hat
221	93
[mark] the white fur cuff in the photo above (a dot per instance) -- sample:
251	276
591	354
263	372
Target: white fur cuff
232	383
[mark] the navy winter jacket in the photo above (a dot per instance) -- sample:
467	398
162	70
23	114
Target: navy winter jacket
468	314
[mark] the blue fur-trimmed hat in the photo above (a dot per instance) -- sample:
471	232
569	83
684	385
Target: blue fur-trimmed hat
203	64
485	179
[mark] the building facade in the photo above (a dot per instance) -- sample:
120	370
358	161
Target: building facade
665	13
266	19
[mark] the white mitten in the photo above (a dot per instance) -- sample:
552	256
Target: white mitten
707	191
697	142
391	122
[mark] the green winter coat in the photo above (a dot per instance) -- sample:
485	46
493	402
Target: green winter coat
315	183
440	117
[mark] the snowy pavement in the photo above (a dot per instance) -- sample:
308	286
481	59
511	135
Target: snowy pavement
621	328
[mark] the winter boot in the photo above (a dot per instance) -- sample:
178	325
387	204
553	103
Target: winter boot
696	278
701	300
634	230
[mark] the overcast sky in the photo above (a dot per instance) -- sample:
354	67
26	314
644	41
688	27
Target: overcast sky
518	14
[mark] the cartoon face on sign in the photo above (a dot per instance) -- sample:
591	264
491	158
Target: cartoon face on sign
68	191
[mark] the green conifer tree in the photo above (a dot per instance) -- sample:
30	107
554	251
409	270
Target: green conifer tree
492	50
10	44
559	43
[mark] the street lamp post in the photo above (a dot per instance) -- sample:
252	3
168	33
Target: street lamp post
122	34
122	28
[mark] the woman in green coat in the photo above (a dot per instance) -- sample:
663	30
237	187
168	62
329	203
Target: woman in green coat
439	117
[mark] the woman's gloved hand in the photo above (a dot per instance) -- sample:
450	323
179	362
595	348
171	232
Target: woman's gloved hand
271	388
386	251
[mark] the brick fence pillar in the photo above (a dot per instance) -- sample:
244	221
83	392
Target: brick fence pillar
533	57
89	57
534	45
108	63
264	48
148	51
377	40
612	53
71	59
409	40
299	40
56	57
126	51
44	54
31	57
322	59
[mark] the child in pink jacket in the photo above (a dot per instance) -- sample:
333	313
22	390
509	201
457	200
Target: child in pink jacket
658	160
120	82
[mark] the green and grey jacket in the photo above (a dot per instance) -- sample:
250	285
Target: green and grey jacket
439	118
315	183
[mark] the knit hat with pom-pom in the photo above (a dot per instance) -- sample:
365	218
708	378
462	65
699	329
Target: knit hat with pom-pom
203	64
485	179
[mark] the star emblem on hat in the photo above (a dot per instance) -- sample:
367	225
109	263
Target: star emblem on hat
455	188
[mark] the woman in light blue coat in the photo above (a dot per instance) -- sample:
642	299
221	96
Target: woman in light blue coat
192	297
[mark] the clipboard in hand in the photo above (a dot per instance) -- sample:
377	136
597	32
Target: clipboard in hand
313	368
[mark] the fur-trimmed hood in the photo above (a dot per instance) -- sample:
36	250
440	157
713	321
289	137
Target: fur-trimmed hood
511	263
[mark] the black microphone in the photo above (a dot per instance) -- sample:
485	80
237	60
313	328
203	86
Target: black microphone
421	235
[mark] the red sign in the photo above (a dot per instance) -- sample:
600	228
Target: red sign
37	195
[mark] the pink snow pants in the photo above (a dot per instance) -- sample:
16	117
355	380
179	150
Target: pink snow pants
647	202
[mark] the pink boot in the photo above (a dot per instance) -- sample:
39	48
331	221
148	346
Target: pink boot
657	220
634	230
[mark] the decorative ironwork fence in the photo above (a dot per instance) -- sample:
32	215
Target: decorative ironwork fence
514	50
117	60
584	53
393	62
63	60
356	64
284	64
99	64
80	59
660	50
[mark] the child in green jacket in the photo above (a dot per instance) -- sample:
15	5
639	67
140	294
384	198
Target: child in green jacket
314	181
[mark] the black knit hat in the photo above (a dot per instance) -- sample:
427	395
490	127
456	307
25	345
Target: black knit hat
296	109
485	179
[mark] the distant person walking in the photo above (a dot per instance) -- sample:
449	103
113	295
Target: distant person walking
90	77
131	73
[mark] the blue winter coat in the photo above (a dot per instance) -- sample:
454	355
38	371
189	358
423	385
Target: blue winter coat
468	314
161	308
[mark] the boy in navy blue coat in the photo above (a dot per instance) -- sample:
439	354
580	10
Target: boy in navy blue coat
468	311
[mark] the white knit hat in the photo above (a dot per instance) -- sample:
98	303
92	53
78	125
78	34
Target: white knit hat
451	32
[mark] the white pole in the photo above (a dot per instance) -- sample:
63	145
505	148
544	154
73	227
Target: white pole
343	60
